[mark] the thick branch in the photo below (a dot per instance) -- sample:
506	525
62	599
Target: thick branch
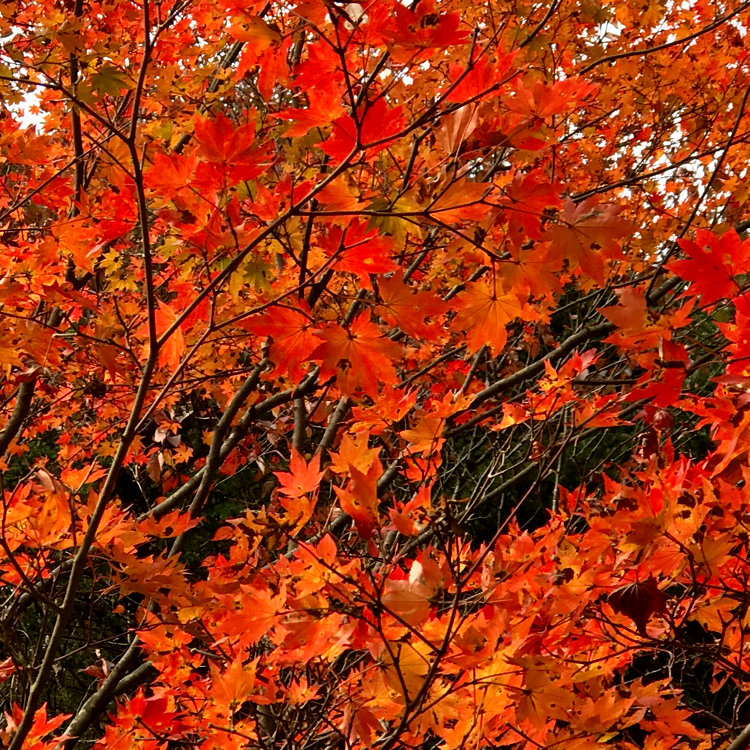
118	681
742	740
20	412
256	411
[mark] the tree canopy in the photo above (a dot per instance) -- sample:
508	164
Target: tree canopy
374	375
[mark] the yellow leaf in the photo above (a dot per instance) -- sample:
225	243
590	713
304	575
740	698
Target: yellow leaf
255	31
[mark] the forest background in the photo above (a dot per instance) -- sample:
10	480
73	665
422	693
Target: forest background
374	375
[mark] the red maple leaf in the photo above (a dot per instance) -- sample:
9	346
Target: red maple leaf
528	196
712	264
359	251
234	148
376	125
638	601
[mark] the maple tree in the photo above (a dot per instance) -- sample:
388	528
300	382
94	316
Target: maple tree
374	375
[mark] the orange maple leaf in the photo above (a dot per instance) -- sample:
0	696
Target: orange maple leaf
304	477
353	451
636	325
170	172
587	235
360	357
426	436
414	313
173	348
460	202
233	685
359	498
544	696
299	489
484	313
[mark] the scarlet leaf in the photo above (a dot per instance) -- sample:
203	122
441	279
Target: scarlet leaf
713	263
233	148
359	251
292	335
375	125
359	498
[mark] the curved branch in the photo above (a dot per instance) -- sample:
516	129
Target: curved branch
238	432
666	45
576	339
538	28
742	740
23	403
117	682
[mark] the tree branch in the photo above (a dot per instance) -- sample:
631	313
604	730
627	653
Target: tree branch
24	394
742	740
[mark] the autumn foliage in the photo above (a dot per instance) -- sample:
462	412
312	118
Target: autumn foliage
374	375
